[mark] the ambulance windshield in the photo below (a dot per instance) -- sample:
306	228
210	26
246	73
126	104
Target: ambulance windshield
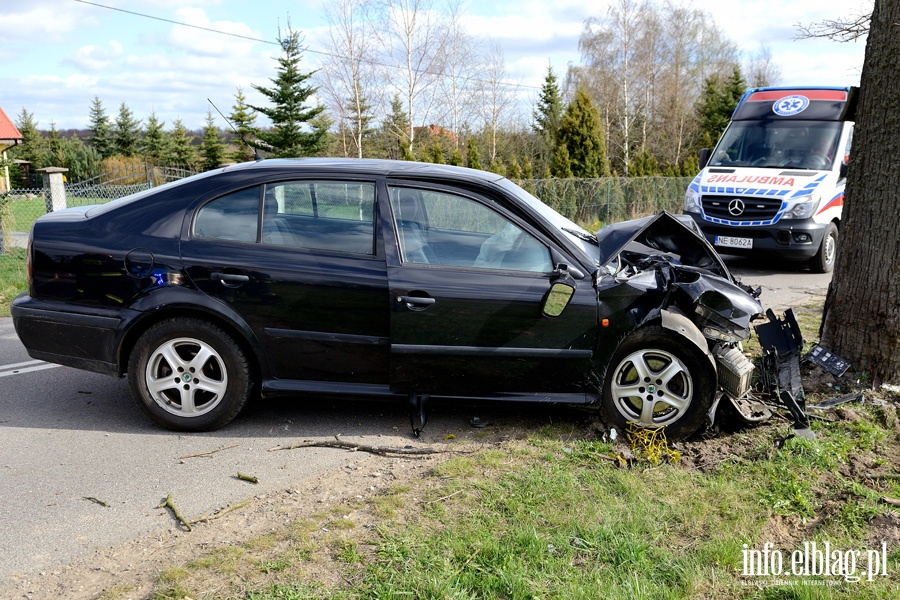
778	144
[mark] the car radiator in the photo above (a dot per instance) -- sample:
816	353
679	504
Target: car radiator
735	371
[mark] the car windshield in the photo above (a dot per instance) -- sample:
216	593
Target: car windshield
580	237
778	144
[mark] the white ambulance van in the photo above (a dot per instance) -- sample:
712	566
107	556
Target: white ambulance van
774	184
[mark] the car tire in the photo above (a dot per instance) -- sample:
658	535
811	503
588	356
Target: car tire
188	374
823	261
658	379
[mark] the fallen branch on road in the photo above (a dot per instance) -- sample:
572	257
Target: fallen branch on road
222	512
167	503
208	453
406	451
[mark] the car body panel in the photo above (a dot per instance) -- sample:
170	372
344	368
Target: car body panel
370	319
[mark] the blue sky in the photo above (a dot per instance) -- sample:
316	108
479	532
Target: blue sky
58	54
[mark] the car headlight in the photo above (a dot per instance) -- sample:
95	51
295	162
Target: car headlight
691	202
803	209
715	326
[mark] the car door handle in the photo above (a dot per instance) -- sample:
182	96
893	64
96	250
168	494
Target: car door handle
229	279
416	300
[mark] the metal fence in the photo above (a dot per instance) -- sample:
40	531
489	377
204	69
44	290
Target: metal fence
590	202
596	202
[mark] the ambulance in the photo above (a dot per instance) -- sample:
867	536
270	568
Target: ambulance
774	184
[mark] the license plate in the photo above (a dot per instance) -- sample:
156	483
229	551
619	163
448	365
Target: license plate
733	242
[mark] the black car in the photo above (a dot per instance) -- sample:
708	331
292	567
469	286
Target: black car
382	278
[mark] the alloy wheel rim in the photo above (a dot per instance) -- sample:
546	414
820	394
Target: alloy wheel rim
652	388
186	377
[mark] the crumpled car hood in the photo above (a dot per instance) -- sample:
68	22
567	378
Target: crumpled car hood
664	233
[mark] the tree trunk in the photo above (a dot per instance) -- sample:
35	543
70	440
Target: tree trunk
862	310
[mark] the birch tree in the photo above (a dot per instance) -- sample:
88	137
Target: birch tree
412	36
349	77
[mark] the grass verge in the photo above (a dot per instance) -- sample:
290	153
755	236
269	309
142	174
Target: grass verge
555	516
12	277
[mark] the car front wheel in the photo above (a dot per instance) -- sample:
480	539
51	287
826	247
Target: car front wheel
657	379
189	375
823	261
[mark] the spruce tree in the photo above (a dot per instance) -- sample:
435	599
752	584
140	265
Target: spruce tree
436	153
127	132
242	118
393	133
473	161
55	154
527	169
156	145
514	171
212	150
101	129
292	132
33	147
716	105
561	163
182	151
548	112
581	133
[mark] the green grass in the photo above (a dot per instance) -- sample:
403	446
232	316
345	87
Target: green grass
12	277
554	517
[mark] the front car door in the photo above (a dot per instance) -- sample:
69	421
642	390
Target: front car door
467	280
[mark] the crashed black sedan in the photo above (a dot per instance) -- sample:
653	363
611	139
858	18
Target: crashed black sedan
378	278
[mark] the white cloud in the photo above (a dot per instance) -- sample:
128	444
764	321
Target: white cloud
208	43
96	58
48	21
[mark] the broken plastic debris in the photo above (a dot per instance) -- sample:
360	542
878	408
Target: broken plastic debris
832	363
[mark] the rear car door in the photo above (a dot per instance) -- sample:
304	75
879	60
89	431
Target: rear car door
299	261
467	282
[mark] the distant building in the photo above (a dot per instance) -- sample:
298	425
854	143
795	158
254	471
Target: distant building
436	130
9	137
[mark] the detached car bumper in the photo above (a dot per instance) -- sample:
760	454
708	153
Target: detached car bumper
81	337
797	239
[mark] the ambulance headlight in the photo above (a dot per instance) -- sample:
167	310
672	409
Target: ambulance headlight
691	202
803	209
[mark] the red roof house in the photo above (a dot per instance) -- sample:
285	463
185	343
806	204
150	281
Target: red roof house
9	137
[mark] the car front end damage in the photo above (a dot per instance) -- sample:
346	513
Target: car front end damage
676	282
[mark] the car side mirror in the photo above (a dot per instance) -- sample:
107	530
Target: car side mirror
560	293
704	157
842	173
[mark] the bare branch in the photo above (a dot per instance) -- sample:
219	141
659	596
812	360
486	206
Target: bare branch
838	30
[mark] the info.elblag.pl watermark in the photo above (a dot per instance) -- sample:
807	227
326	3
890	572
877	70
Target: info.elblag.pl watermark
813	559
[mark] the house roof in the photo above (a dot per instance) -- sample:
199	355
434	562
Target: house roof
8	131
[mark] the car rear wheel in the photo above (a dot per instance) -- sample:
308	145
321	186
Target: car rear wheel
657	379
189	375
823	261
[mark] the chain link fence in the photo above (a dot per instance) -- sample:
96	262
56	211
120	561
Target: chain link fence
590	202
596	202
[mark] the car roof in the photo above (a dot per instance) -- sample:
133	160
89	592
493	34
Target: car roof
372	166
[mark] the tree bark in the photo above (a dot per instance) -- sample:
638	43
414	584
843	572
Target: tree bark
861	319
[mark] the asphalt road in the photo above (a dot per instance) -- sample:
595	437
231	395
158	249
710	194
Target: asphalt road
784	283
68	438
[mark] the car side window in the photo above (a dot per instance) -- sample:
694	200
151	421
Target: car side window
231	217
441	228
320	215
